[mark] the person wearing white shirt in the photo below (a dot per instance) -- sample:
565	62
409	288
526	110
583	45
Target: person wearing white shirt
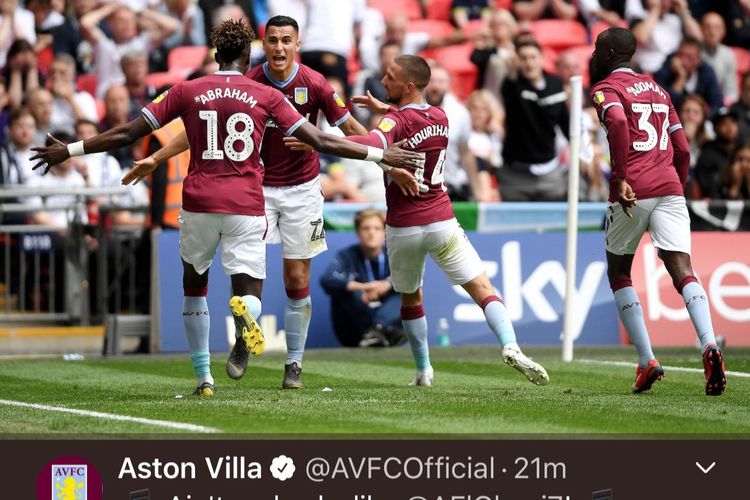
15	23
719	56
67	104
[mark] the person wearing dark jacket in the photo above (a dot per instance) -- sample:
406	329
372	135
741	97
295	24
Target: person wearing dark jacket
685	73
715	155
365	309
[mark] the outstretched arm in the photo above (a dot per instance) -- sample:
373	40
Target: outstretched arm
114	138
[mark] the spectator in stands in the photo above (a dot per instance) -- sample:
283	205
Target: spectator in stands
373	83
22	72
494	54
46	19
719	56
359	173
659	30
216	11
742	108
735	178
125	38
365	309
736	15
103	169
485	141
326	47
4	111
40	104
135	68
16	23
15	167
535	104
611	12
460	172
715	154
463	11
67	38
531	10
117	112
192	25
694	116
685	73
67	104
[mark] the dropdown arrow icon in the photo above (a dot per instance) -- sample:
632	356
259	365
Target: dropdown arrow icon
705	470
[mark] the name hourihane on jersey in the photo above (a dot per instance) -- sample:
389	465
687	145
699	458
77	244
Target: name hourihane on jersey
417	226
222	193
650	162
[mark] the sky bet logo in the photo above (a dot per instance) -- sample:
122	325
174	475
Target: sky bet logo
69	478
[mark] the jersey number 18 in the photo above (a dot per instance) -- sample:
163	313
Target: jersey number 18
245	136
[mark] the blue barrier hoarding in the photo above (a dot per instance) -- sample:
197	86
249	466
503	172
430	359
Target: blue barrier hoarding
527	269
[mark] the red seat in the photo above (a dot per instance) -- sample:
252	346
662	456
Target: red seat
86	83
163	79
474	27
456	59
550	58
186	58
559	34
436	29
439	10
389	7
600	26
742	56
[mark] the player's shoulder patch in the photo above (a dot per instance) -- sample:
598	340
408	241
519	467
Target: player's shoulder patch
160	97
339	100
599	97
387	124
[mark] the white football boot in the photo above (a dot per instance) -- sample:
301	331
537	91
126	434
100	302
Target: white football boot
535	372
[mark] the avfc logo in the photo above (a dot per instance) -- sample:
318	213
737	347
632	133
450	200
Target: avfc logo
300	95
69	478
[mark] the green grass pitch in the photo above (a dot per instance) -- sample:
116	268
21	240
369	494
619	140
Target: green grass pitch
474	393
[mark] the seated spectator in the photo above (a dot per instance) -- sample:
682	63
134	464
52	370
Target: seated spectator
40	104
125	38
719	56
365	309
373	83
67	104
485	141
4	111
67	38
736	15
535	106
46	19
135	68
16	23
22	72
117	112
494	54
735	178
742	108
694	118
460	171
611	12
463	11
531	10
15	167
659	30
715	154
685	73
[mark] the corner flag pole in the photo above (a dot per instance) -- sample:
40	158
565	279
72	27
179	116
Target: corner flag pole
576	90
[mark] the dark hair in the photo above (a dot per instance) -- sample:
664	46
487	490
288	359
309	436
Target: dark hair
84	121
527	41
281	21
60	135
367	213
19	113
726	172
415	69
620	40
690	40
20	45
386	44
231	39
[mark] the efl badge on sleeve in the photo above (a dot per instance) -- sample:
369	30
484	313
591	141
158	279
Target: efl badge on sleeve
339	100
599	97
386	125
300	95
161	97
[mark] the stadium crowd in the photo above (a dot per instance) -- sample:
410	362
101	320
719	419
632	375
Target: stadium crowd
500	71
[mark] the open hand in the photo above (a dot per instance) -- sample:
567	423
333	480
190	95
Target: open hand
296	145
368	101
405	181
141	169
49	156
397	157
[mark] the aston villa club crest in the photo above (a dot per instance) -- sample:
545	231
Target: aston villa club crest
69	482
300	95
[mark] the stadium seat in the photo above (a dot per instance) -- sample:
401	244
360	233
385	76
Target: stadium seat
87	83
389	7
162	79
456	59
559	34
186	58
474	27
600	26
550	58
439	10
436	29
742	56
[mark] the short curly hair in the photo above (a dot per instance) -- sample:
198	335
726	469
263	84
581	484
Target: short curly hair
231	39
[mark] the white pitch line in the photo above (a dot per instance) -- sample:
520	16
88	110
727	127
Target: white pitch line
667	368
112	416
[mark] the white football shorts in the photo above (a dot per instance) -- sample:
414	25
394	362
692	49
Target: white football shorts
242	237
666	218
445	241
295	219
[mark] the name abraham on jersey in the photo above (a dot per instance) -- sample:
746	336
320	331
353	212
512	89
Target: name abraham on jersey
219	93
640	87
426	133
